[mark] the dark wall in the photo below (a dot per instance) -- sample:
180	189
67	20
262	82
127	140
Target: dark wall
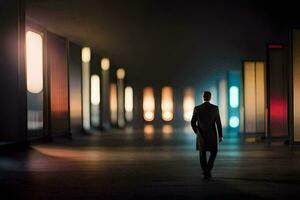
12	70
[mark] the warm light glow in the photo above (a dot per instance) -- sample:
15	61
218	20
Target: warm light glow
86	54
86	95
296	84
254	96
260	96
149	132
34	62
128	103
223	102
234	122
167	131
167	103
121	73
105	64
113	103
249	97
148	104
188	104
95	89
234	97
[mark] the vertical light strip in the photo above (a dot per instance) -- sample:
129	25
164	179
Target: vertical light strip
214	94
223	102
148	104
95	89
95	100
105	92
167	103
129	103
234	83
188	104
296	83
260	96
86	57
121	97
34	62
234	96
250	96
113	103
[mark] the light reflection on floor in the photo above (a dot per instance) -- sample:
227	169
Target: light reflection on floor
147	161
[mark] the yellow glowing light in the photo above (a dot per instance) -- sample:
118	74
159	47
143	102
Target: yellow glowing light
121	73
128	99
86	54
149	132
113	103
167	131
148	104
223	102
128	103
167	103
34	62
188	104
105	64
86	95
95	89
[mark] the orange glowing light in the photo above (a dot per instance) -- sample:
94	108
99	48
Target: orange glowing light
167	103
148	104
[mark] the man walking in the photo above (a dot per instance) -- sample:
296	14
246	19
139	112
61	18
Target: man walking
207	125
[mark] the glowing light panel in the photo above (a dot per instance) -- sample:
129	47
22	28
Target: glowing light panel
128	103
95	89
121	73
148	104
34	62
234	96
188	104
223	102
113	103
296	83
234	122
167	103
105	64
86	54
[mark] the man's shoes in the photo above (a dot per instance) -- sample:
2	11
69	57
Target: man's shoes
206	175
209	175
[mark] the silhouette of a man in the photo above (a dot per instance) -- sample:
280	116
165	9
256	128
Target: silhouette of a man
207	125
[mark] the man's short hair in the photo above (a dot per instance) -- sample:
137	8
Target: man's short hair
206	95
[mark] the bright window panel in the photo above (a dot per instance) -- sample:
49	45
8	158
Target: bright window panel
234	122
86	88
167	103
148	104
95	89
249	97
296	83
34	62
113	103
260	96
234	96
223	102
129	103
188	104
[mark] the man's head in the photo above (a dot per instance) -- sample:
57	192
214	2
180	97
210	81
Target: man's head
206	96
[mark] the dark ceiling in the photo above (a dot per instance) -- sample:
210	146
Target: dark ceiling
171	42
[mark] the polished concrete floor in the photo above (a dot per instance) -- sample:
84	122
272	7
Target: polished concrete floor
149	164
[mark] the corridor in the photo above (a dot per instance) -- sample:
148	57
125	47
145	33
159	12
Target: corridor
149	164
